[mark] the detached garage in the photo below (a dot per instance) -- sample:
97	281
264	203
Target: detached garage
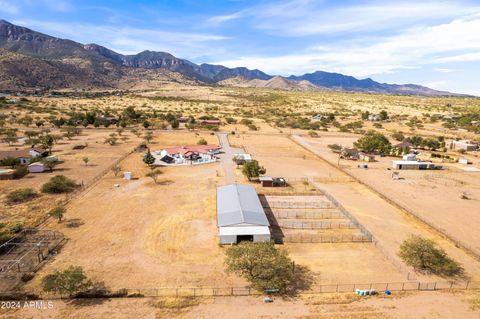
240	215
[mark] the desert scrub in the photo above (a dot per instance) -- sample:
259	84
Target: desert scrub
59	184
21	196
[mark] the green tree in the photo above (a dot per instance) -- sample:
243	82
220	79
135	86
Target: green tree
57	212
10	161
153	174
50	164
262	264
85	160
252	169
69	281
149	159
373	142
424	255
47	141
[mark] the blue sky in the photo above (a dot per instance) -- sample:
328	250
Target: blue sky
433	43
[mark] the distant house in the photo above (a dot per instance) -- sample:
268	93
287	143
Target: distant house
36	167
241	158
181	155
412	165
409	157
317	117
374	118
183	119
366	157
404	145
211	122
466	145
24	155
268	181
240	215
350	153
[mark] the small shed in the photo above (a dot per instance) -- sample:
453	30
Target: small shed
36	167
127	175
6	174
409	157
240	215
366	157
266	181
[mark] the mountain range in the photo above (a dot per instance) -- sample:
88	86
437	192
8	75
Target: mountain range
33	60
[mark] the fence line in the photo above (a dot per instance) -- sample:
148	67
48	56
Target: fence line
315	224
468	248
308	215
320	238
248	291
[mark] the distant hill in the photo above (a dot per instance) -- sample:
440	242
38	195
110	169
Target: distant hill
31	59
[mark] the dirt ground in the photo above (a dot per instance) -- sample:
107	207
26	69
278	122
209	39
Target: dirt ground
100	156
142	234
411	305
419	191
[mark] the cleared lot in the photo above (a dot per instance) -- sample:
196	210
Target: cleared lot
420	192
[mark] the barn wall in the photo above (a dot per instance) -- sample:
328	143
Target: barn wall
230	239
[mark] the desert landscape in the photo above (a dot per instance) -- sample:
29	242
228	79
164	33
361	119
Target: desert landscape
139	184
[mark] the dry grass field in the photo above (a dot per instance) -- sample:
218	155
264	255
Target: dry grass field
420	191
147	235
418	305
101	156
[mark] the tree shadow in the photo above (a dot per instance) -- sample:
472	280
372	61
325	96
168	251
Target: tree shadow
303	280
74	222
96	295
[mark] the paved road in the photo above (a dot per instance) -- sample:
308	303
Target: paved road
226	158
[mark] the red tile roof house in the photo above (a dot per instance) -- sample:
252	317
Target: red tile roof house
25	155
211	122
187	155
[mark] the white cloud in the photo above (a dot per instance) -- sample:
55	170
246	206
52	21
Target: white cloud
364	57
8	7
130	40
445	70
306	17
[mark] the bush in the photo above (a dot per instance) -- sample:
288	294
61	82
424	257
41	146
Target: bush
424	255
19	172
262	264
69	281
21	195
59	184
202	141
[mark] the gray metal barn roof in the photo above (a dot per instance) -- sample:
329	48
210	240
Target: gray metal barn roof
238	204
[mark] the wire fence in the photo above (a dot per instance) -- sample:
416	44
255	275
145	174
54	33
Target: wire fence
192	292
321	238
296	214
315	224
29	248
298	205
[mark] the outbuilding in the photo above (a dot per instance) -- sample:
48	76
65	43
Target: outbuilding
240	215
413	165
36	167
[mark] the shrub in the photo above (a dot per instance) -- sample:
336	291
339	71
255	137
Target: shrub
57	212
21	195
59	184
373	142
19	172
69	281
202	141
424	255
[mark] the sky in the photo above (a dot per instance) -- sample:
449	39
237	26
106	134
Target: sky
432	43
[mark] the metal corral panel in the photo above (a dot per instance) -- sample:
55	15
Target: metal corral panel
238	204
